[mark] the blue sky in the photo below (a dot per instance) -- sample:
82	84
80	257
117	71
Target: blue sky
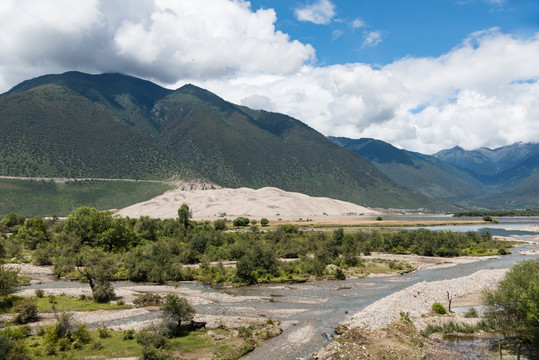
424	75
407	28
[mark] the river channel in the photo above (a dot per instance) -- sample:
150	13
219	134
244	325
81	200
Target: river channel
312	310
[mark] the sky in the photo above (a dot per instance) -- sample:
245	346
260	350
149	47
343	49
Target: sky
424	75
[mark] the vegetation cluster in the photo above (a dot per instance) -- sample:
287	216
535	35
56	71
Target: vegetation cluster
99	247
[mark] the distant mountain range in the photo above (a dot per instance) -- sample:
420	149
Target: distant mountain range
117	126
506	177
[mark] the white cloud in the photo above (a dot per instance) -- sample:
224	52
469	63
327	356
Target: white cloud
357	23
157	39
320	12
482	93
372	38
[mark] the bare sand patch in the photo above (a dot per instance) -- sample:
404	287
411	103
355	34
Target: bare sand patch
268	202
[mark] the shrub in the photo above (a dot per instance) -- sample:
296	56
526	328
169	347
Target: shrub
240	221
129	334
219	224
264	222
148	299
103	332
471	313
81	334
439	308
513	304
103	293
8	281
339	274
26	312
39	293
175	310
379	218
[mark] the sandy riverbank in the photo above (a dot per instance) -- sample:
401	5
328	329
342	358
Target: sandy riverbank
417	299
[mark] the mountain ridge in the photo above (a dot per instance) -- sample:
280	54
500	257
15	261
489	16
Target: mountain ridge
482	177
185	131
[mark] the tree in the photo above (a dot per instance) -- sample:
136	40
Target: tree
219	224
33	232
240	221
99	269
264	222
8	281
515	303
87	224
184	214
175	311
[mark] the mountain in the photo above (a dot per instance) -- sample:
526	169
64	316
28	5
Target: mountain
422	173
504	166
117	126
501	178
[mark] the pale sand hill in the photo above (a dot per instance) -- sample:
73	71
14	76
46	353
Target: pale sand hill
268	202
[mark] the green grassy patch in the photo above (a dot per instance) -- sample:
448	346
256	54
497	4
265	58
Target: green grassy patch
66	303
43	198
59	303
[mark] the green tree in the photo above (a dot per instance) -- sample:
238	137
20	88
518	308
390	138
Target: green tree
184	214
264	222
8	281
515	303
99	269
117	236
33	232
219	224
87	224
240	221
176	310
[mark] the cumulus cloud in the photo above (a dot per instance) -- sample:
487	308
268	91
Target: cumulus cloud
157	39
320	12
482	93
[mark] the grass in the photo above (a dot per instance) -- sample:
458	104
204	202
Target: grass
193	345
111	347
44	198
59	303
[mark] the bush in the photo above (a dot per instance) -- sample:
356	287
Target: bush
8	281
219	224
103	293
26	312
513	304
103	332
148	299
39	293
264	222
240	221
439	308
175	310
339	274
472	313
81	334
129	334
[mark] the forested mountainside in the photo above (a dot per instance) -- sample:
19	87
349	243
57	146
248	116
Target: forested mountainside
117	126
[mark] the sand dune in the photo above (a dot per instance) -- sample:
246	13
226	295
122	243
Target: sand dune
268	202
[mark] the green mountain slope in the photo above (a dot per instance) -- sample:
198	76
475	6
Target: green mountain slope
117	126
51	131
423	173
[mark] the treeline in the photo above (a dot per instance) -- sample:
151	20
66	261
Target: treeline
100	247
500	213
